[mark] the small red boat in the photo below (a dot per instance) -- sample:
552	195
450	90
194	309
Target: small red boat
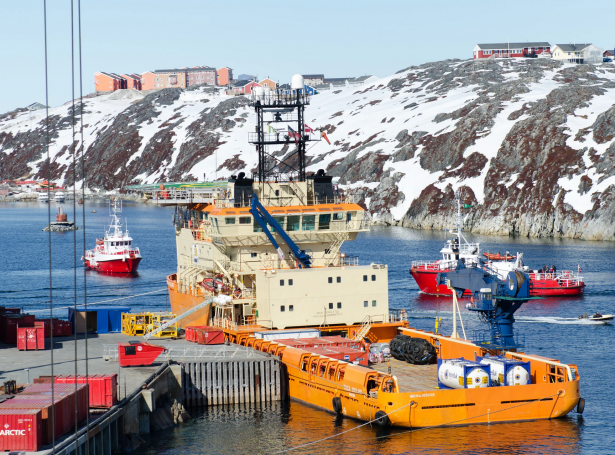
115	252
457	248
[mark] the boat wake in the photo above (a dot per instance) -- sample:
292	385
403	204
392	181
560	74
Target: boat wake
556	320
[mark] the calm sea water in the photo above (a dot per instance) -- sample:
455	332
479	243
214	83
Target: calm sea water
550	328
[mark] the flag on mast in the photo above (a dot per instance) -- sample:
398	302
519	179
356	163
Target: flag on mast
308	129
292	133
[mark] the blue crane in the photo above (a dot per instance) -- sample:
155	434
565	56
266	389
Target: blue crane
495	300
262	217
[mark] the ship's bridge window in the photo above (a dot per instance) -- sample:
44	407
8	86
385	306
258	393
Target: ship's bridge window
324	221
350	215
293	223
256	227
230	220
245	220
280	220
309	222
338	216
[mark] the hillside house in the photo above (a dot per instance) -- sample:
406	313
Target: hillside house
242	88
171	78
313	79
225	75
363	80
108	82
199	75
147	80
36	106
508	50
338	80
578	53
132	81
608	54
268	83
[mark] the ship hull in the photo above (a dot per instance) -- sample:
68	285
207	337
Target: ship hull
129	265
180	303
426	280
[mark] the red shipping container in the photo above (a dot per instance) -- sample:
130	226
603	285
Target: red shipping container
63	390
210	335
30	338
190	332
102	388
136	353
21	429
44	404
11	321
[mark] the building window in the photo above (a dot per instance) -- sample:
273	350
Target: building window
281	282
291	307
339	304
373	303
373	277
309	222
339	279
290	282
324	221
330	306
282	308
229	220
293	223
364	277
330	279
366	304
253	255
338	216
245	220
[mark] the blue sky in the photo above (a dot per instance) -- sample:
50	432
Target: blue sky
269	38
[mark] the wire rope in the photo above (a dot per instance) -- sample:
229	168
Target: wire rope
85	298
53	407
72	73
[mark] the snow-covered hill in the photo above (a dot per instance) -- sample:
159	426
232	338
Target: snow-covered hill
530	141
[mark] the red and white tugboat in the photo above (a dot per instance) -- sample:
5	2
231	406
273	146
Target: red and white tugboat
114	253
544	283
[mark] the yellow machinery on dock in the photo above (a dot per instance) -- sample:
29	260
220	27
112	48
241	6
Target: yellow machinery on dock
139	324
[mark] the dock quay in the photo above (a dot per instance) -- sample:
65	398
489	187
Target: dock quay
150	398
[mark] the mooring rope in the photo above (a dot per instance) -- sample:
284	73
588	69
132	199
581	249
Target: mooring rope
413	430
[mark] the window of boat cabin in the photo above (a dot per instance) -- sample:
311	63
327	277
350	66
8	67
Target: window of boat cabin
339	304
338	216
365	303
364	277
373	277
244	220
253	255
256	227
330	279
281	282
330	305
280	220
290	282
324	221
291	308
373	303
282	308
349	215
229	220
339	279
309	222
293	223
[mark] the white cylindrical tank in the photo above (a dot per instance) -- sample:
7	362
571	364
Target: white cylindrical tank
453	374
516	375
296	83
259	92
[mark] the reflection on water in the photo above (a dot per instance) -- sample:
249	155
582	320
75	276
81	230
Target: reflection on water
281	426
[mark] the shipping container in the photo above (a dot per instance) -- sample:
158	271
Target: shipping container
30	338
63	390
190	332
10	323
21	429
210	335
136	353
102	388
45	405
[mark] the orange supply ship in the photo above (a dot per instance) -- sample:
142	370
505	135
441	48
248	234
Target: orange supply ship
263	254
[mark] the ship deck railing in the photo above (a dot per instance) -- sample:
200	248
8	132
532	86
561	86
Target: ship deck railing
565	278
282	201
427	265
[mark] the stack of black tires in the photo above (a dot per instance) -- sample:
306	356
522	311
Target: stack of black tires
412	350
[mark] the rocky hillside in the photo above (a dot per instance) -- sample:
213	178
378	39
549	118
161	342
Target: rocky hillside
530	143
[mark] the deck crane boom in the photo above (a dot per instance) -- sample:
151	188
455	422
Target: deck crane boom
262	217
